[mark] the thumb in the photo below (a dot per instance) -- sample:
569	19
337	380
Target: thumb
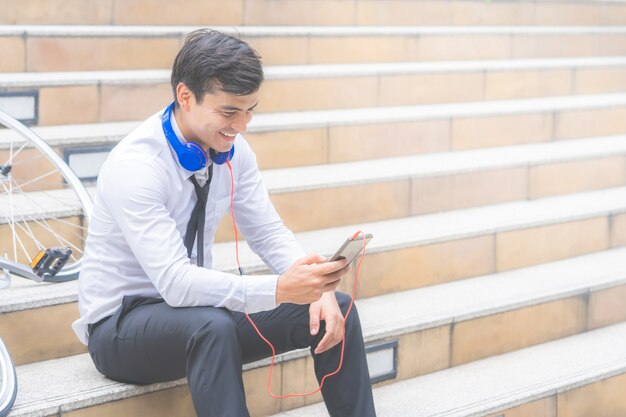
314	318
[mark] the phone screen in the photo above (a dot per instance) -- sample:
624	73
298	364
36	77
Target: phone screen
351	248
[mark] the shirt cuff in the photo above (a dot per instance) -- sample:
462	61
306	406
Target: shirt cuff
261	293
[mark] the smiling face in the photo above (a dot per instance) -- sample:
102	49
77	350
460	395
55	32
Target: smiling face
215	122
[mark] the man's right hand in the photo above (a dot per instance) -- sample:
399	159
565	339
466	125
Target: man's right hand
309	278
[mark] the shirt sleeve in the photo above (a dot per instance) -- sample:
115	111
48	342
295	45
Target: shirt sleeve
257	218
135	194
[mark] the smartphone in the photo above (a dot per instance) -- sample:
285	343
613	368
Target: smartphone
351	248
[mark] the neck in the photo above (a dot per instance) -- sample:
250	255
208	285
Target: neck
182	126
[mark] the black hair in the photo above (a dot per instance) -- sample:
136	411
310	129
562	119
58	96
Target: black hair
211	61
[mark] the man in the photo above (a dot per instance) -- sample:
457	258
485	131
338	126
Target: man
149	311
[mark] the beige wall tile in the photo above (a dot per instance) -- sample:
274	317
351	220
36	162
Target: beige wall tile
607	307
555	14
419	266
289	148
577	176
171	402
13	57
610	45
47	231
423	352
614	14
259	401
299	377
77	54
504	332
525	247
40	334
461	47
192	12
332	207
63	12
319	93
501	85
396	90
344	50
135	102
602	398
351	143
600	80
553	46
485	132
282	50
491	13
545	407
68	105
587	123
299	12
618	230
429	195
399	12
29	164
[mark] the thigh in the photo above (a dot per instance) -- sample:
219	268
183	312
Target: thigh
146	341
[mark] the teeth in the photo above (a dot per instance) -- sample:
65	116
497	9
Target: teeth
229	135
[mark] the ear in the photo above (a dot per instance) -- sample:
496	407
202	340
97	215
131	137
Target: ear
184	96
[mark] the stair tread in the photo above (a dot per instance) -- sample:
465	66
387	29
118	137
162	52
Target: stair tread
151	76
503	381
74	382
273	31
404	232
265	122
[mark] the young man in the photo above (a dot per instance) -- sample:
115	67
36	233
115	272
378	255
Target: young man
152	309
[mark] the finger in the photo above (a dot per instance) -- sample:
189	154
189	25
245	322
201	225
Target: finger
330	267
311	259
329	341
314	318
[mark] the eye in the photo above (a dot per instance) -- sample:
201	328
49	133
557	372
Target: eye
229	113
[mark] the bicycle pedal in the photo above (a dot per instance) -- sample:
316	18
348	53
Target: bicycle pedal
49	262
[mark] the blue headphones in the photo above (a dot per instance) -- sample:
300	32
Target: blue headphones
191	155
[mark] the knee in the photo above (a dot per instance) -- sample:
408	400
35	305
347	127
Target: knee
215	323
344	303
343	300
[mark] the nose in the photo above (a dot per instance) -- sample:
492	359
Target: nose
240	124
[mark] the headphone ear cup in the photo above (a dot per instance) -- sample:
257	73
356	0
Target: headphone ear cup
193	157
221	157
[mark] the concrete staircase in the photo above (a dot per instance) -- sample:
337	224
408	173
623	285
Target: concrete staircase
482	143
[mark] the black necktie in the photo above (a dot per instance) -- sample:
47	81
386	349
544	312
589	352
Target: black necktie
196	221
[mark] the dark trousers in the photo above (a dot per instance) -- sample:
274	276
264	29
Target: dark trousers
148	341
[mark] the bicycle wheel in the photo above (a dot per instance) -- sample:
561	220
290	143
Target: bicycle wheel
43	205
8	381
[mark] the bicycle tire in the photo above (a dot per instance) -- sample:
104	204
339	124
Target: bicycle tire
72	187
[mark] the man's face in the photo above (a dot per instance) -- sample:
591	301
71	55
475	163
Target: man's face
216	121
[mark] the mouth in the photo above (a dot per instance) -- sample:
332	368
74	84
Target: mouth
228	136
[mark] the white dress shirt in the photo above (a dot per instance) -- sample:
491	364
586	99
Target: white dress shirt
135	246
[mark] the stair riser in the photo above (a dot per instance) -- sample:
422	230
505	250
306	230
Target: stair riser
318	12
419	353
128	101
73	53
335	143
391	271
604	396
385	200
388	200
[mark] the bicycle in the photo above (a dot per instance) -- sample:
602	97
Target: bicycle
44	212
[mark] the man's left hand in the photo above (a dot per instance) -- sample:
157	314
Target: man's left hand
327	309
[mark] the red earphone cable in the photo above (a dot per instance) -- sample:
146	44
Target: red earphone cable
343	327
